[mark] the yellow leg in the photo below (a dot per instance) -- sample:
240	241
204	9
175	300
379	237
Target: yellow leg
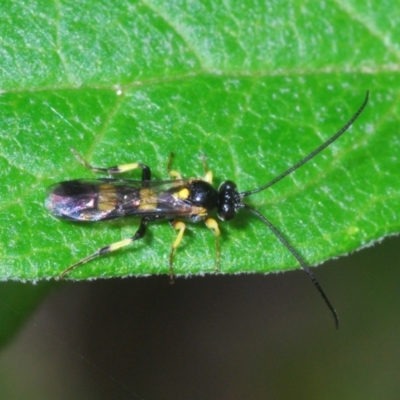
212	224
208	177
117	169
180	226
108	249
175	174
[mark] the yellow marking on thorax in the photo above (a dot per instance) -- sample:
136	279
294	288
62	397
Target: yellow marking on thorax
108	198
183	194
148	199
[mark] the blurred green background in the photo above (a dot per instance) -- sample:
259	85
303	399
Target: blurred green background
254	86
217	337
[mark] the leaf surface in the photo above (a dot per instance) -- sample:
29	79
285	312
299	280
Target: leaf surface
254	87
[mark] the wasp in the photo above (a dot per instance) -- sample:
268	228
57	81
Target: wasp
175	200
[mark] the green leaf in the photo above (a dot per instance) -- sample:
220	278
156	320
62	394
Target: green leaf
252	86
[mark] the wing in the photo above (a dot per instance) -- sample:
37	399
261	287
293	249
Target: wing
103	199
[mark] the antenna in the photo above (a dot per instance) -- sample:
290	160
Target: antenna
298	258
313	153
275	231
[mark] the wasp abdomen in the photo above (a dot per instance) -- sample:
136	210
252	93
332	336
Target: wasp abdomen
82	200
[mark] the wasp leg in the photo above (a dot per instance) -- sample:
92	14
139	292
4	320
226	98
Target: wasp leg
117	169
180	226
172	173
212	224
205	167
175	174
171	157
208	177
110	248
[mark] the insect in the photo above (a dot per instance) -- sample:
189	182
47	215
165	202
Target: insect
174	200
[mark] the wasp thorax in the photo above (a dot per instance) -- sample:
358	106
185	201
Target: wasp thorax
202	194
